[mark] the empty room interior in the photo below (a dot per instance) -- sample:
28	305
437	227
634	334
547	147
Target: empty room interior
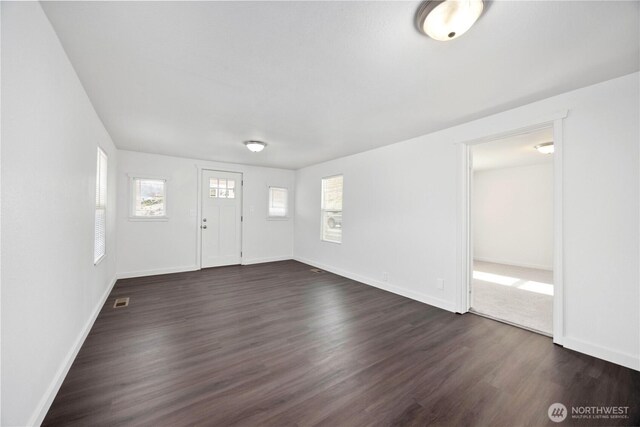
266	213
512	230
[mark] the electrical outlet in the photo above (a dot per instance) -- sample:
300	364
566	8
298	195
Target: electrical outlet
440	284
385	276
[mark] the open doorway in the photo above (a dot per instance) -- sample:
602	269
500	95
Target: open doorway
512	230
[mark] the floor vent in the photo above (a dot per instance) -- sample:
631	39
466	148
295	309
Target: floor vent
317	270
121	302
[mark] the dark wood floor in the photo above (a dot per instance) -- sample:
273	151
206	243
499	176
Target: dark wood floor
276	344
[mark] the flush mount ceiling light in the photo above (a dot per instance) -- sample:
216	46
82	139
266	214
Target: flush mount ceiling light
448	19
255	146
546	148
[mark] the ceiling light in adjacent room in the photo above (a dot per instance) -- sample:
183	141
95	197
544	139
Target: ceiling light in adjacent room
448	19
546	148
255	146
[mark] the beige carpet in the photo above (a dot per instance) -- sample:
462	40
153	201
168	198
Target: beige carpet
523	296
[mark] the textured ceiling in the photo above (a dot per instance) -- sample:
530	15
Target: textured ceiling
320	80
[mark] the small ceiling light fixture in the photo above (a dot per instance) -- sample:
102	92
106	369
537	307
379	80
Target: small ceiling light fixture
546	148
448	19
255	146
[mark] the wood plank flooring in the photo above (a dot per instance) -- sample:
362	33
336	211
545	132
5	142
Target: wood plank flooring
276	344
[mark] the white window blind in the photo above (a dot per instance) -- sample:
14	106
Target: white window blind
332	209
100	242
148	198
278	204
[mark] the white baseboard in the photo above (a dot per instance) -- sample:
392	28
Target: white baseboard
156	272
47	399
619	358
142	273
398	290
251	261
514	263
627	360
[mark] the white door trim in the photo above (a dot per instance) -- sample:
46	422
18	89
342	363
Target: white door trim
465	255
558	270
199	171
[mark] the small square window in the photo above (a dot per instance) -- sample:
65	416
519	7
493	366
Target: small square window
149	198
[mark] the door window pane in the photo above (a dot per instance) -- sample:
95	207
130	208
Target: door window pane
222	188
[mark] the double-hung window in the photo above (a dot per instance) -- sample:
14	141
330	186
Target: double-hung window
100	228
332	209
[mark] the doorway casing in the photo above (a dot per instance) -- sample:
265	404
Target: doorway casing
465	251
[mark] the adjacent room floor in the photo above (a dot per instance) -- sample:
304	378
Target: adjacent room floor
278	344
518	295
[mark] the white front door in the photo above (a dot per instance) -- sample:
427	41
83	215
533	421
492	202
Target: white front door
221	219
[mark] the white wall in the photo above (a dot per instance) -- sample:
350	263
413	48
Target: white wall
146	248
399	214
51	290
512	211
401	205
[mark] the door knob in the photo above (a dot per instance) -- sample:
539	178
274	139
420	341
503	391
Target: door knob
203	226
204	219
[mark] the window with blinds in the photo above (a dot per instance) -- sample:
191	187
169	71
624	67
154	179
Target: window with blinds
278	204
100	243
332	209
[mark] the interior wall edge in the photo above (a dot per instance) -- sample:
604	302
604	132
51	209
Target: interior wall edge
47	399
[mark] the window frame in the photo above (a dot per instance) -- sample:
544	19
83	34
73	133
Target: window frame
284	217
323	210
132	198
100	155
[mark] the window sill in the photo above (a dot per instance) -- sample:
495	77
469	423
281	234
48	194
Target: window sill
277	218
99	260
148	219
331	241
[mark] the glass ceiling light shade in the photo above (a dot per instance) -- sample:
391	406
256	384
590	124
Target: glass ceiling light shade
448	19
546	148
255	146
